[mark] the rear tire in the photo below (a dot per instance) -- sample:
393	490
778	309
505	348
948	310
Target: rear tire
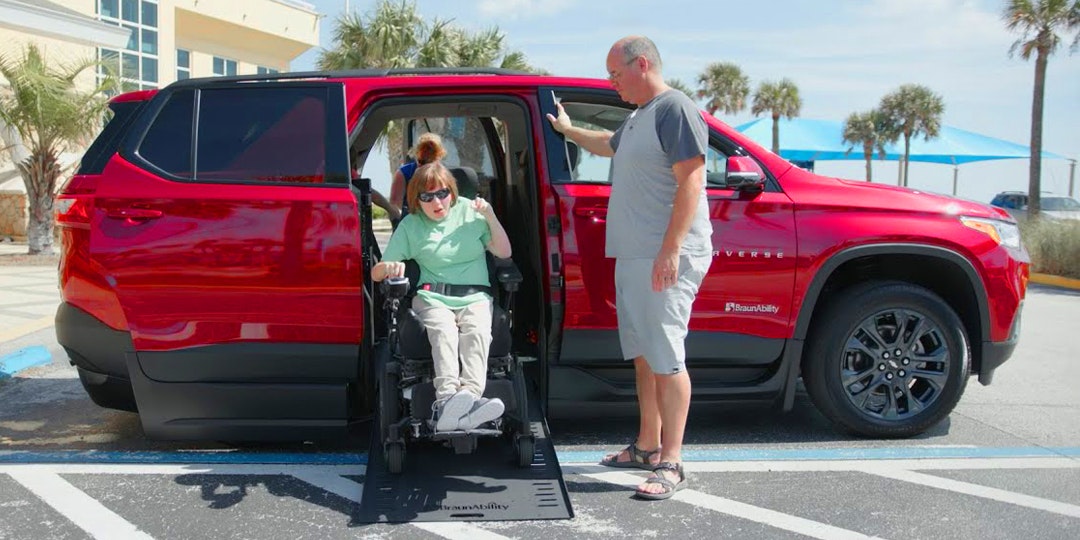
526	448
886	359
389	401
395	457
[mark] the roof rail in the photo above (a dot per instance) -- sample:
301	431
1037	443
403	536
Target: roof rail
369	72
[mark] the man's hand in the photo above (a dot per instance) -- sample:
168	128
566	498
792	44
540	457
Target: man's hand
562	122
665	270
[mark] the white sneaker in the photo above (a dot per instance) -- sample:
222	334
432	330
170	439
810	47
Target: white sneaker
451	410
485	410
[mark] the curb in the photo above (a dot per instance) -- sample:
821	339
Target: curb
10	364
1055	281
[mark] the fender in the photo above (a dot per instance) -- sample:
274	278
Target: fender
793	350
813	292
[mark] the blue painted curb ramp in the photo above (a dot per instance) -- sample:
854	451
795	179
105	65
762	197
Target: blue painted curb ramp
12	363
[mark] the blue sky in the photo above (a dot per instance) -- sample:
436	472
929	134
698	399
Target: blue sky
843	58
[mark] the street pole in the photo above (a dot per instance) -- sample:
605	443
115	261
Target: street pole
955	173
1072	176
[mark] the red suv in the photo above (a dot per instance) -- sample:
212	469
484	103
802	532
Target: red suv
216	255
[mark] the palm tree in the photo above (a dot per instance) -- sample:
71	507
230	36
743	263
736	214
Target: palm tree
724	87
680	86
780	99
865	129
910	111
1038	22
43	106
395	35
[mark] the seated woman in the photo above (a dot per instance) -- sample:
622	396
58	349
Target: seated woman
428	149
446	235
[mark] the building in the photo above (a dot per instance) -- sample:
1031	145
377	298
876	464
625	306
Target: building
149	43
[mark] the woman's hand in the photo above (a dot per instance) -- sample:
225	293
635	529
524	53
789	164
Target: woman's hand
387	269
484	208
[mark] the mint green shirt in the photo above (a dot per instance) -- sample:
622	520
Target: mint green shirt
448	251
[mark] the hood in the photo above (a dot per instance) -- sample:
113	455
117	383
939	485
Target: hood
896	197
1061	214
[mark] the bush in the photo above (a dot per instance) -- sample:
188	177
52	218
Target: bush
377	212
1054	246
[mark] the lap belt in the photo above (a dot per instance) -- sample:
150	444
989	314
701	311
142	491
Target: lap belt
448	289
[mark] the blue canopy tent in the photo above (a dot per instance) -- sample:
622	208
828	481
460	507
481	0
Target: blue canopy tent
811	140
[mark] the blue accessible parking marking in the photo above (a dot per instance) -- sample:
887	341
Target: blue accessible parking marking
12	363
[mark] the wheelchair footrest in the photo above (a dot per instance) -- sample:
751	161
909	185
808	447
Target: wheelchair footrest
457	434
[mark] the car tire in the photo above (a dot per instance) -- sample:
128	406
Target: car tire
854	376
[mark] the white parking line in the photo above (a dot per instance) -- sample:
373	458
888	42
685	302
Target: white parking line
750	512
858	465
84	511
985	492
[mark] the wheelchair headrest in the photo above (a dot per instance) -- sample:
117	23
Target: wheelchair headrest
468	184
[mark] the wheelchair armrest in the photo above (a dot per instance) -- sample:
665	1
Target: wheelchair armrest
508	274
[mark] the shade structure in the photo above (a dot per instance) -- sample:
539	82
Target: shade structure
812	140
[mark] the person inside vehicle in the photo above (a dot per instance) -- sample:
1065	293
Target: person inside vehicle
428	149
447	236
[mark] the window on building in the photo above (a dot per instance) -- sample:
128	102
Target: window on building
137	64
224	66
183	64
265	71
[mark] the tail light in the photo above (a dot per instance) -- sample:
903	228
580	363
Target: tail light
75	202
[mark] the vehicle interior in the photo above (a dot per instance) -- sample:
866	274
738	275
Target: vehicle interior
488	136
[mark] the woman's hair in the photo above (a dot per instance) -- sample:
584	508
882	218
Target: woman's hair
430	177
428	148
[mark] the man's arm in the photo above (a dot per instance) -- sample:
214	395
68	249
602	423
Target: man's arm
597	142
690	177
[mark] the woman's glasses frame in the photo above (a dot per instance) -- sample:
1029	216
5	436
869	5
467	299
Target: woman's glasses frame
429	196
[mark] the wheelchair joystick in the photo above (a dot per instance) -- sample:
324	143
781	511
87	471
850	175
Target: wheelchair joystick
396	287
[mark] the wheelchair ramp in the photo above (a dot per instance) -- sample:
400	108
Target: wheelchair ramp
487	485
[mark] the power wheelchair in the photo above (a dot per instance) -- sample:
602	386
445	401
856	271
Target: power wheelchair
406	372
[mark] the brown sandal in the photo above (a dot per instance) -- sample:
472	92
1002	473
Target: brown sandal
669	487
639	459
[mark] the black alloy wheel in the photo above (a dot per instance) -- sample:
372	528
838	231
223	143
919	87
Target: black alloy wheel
886	359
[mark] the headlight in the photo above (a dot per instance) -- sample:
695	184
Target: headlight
1006	234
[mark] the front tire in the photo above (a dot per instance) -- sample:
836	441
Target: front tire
886	359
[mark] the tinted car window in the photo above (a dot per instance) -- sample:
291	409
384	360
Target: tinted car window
108	141
167	143
261	135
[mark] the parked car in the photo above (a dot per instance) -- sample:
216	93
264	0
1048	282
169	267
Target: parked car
215	262
1052	206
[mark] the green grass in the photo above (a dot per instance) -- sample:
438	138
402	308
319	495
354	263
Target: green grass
1054	246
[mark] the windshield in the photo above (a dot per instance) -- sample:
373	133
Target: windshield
1060	204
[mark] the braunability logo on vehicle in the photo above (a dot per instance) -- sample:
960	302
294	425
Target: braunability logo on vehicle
733	307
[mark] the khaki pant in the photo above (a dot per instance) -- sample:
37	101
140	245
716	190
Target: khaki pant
460	341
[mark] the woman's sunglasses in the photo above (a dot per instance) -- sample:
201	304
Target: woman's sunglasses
429	196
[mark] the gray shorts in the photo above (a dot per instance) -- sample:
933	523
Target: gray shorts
653	324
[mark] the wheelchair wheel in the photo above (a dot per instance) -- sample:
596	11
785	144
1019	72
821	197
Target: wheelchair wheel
521	396
526	447
389	403
395	456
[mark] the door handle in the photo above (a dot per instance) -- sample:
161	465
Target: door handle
134	214
597	215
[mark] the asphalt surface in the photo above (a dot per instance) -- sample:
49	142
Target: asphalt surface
1005	464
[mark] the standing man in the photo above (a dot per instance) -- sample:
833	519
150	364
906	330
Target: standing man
661	239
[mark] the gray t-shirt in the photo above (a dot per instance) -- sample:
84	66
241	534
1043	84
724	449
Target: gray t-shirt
666	130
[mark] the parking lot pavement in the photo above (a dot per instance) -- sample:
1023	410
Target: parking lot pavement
965	496
28	300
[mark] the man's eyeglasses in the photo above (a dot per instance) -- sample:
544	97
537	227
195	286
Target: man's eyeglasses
429	196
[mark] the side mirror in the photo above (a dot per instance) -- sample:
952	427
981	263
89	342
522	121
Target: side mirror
744	174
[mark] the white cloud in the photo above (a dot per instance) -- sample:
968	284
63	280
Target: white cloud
522	9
